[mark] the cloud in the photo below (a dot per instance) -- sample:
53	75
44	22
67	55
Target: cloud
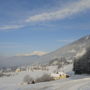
14	45
8	27
39	53
65	41
61	13
70	9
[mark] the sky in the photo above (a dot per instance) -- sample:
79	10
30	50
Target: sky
27	26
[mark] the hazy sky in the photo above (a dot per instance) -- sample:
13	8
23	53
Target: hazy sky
41	25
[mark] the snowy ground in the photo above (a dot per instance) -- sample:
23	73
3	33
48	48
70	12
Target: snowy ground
75	82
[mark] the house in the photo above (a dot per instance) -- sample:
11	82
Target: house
18	70
59	75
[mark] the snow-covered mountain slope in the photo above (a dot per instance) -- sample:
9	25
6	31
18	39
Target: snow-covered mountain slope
69	51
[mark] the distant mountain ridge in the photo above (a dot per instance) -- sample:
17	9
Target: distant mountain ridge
18	61
69	52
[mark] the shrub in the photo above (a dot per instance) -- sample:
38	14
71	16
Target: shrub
44	78
1	74
27	79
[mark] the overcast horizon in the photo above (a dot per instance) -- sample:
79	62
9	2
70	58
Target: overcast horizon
41	26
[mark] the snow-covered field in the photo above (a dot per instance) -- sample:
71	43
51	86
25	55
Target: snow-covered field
75	82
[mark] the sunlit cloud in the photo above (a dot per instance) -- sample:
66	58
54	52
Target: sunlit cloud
66	11
8	27
70	9
38	53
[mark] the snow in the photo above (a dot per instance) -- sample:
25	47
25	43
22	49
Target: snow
75	82
72	51
87	37
58	74
81	53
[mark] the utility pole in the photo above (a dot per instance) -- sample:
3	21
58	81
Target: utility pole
62	64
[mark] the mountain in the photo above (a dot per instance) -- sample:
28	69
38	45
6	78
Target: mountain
69	52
